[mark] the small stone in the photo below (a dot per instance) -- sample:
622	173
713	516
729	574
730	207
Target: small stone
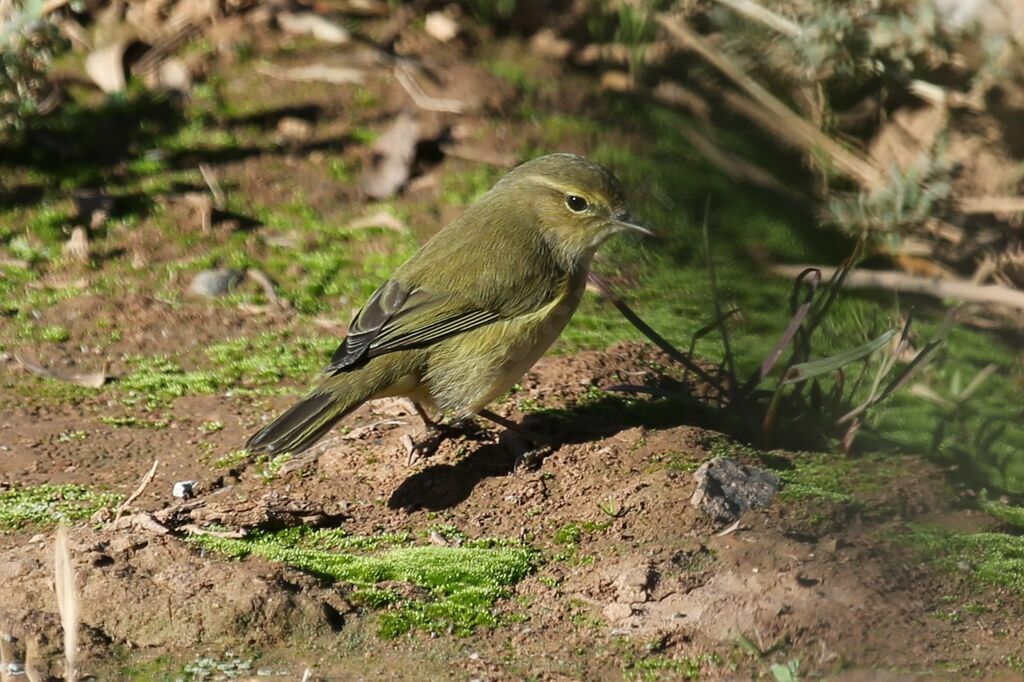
726	489
442	26
964	566
213	283
184	489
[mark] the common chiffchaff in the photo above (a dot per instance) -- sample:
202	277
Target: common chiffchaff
474	308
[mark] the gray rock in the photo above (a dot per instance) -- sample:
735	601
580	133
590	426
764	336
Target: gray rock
212	283
726	488
184	489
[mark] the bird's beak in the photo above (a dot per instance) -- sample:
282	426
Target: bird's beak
627	222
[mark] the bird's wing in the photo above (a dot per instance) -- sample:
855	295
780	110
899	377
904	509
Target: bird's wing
396	318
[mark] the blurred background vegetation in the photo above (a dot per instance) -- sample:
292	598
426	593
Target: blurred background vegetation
278	160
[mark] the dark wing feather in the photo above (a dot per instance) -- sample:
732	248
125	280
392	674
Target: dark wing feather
396	319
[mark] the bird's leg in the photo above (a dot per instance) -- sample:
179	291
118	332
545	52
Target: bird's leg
436	433
530	458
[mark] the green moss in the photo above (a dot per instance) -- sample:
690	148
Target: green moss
270	357
994	559
462	583
156	379
51	504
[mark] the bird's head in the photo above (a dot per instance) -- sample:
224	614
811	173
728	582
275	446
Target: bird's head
577	204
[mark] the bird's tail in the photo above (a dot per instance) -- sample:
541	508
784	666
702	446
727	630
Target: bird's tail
308	420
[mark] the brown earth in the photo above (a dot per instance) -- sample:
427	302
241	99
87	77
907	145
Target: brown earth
838	594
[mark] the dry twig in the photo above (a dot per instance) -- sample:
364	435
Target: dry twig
138	491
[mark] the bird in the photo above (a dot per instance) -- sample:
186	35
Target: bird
468	314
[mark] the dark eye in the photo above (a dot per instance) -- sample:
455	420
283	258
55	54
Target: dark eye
576	203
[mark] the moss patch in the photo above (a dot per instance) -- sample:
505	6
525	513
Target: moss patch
994	559
47	505
460	585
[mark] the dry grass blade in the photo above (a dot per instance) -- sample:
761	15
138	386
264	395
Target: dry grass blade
732	165
963	290
267	285
219	201
86	379
800	132
752	10
67	601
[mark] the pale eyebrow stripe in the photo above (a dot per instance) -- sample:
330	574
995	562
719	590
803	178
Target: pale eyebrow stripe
548	182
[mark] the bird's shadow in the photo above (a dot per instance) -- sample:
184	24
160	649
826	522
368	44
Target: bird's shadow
442	486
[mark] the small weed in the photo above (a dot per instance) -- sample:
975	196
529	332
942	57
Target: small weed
69	436
212	426
54	334
790	672
133	422
232	459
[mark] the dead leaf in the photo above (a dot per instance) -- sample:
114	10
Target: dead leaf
310	23
325	73
441	26
86	379
105	66
390	165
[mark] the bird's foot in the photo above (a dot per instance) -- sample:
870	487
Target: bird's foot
426	446
530	460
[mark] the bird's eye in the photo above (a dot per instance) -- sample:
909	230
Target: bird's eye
576	203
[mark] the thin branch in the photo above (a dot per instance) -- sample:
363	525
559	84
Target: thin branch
925	286
608	293
992	204
422	99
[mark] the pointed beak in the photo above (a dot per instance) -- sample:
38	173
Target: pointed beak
626	222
